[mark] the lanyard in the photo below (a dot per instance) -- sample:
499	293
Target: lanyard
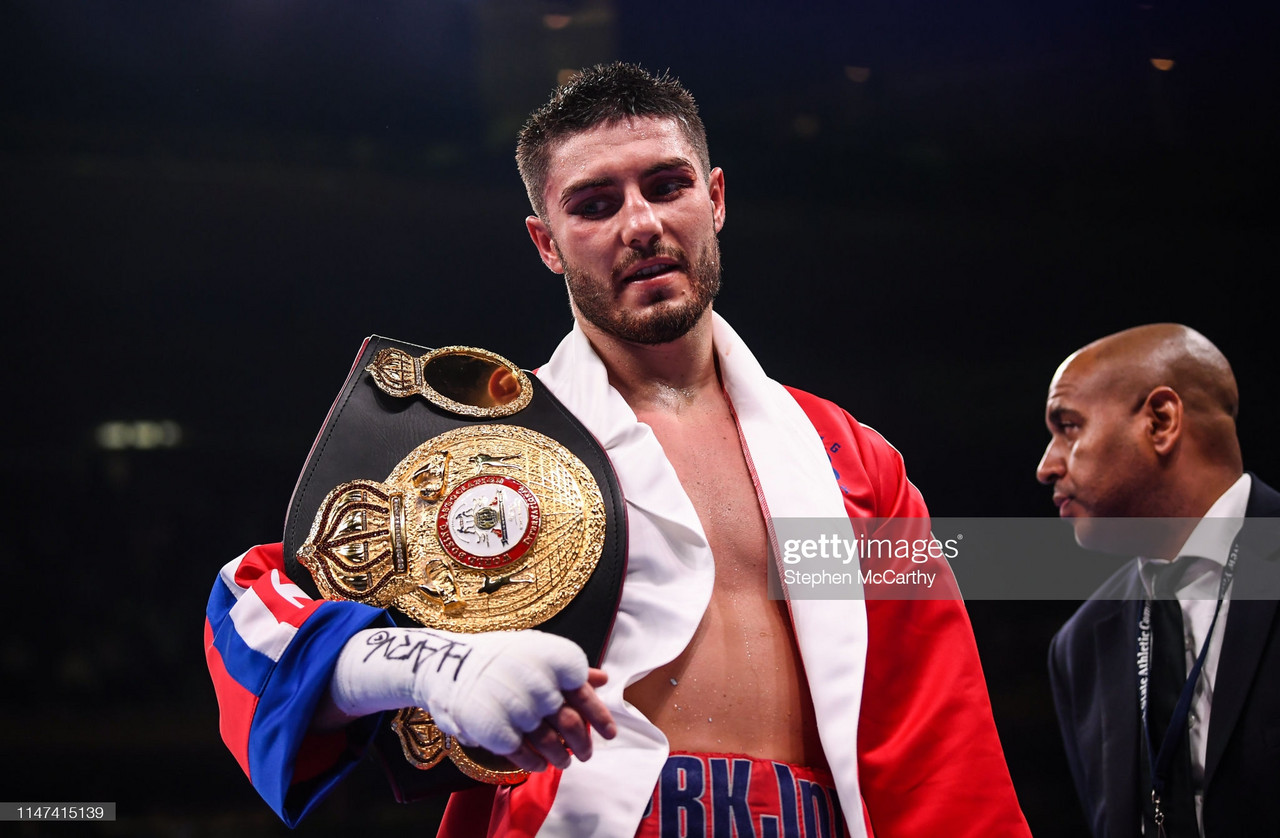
1160	761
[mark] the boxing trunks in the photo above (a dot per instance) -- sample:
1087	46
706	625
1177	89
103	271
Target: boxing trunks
713	795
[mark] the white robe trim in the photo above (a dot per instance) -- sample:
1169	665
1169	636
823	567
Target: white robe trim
671	571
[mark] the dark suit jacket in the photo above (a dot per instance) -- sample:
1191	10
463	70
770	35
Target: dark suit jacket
1093	672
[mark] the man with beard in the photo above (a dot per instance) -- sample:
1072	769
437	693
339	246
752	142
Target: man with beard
1167	680
718	708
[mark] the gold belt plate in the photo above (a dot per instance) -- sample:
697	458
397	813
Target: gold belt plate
482	528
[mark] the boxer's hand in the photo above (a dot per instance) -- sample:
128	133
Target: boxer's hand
526	695
568	732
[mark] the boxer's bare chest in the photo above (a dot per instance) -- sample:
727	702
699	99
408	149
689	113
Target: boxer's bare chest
739	686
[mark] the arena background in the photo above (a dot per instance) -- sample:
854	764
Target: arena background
208	205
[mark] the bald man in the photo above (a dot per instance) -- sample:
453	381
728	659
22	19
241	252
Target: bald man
1176	649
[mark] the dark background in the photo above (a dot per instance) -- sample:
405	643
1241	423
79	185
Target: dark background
208	205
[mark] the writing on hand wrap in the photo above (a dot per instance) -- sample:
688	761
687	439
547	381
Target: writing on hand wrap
419	648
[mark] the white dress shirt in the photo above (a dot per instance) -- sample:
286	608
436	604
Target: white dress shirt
1197	594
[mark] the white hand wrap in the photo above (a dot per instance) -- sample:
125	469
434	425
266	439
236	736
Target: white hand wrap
484	689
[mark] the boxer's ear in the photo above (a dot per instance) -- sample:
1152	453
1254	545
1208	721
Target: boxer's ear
541	235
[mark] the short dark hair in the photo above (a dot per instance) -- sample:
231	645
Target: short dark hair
605	93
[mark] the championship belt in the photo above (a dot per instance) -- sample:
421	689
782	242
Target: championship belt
456	492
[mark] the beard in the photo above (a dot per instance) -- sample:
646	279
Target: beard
660	320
